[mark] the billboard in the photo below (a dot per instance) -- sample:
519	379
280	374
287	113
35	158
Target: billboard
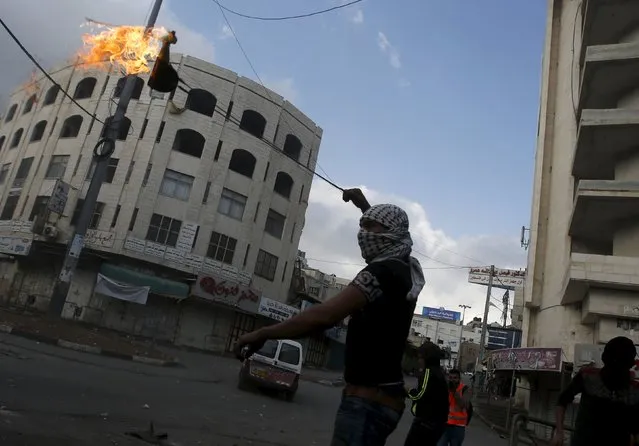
506	279
499	338
528	359
441	314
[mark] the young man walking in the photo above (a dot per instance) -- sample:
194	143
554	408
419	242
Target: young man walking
458	411
381	302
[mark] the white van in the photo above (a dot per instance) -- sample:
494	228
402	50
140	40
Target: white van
277	365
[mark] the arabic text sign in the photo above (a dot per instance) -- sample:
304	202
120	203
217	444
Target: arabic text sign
503	278
527	359
59	196
15	245
441	313
226	292
276	310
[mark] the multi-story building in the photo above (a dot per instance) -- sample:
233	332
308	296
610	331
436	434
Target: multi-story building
212	180
445	333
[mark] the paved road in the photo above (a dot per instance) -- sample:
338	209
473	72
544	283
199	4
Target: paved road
58	397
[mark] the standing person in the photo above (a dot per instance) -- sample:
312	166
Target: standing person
430	399
459	408
381	302
608	413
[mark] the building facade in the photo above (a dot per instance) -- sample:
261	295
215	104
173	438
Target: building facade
445	333
583	263
214	180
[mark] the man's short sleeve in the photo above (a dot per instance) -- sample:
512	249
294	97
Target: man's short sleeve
575	387
368	281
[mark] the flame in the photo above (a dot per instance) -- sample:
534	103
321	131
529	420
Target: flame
32	86
129	48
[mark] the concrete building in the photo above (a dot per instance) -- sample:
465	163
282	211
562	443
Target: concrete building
517	311
444	333
214	181
583	260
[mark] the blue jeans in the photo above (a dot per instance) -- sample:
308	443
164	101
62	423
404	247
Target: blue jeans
453	436
360	422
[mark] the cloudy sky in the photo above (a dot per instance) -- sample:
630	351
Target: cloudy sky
431	105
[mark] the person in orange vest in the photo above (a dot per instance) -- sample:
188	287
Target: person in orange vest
458	411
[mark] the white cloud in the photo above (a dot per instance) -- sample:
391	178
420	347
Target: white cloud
358	17
330	235
285	87
54	33
227	33
389	50
403	83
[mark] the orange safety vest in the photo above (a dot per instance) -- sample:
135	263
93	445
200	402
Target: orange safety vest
456	415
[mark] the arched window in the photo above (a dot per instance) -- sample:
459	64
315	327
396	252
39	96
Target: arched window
17	136
292	147
123	131
189	142
137	90
201	101
283	184
11	113
84	89
242	162
38	131
51	96
254	123
71	127
29	105
2	139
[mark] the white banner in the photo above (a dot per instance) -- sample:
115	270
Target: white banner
276	310
122	291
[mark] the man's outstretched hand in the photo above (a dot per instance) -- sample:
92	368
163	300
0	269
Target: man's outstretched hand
356	196
248	344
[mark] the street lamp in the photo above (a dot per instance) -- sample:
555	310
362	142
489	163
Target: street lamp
461	332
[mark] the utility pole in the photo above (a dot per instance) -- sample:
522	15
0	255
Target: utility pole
101	156
461	333
484	328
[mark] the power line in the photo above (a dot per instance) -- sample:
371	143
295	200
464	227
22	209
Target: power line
290	17
37	64
335	262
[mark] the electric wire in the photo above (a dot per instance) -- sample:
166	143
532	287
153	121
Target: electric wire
37	64
290	17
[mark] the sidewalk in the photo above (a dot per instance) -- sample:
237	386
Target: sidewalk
81	337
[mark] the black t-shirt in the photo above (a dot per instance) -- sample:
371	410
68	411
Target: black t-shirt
604	417
377	333
432	405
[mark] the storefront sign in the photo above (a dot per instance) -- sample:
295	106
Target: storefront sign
99	239
276	310
58	200
15	226
18	246
527	359
506	279
226	292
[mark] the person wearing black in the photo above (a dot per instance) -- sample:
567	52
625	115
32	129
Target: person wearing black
429	399
381	301
608	413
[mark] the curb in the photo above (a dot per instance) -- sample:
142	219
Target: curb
324	382
86	348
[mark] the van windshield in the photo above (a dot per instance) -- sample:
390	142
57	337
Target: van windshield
269	349
289	354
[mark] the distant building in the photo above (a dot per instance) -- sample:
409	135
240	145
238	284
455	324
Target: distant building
444	333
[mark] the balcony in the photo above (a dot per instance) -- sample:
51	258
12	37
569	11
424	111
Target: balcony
597	271
607	21
610	71
603	136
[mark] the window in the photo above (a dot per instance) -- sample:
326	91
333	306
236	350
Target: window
189	141
207	191
147	174
29	105
23	172
11	113
217	150
254	123
71	127
112	167
163	230
269	349
283	184
201	101
266	265
292	147
145	123
134	217
57	167
39	207
116	214
17	136
95	217
274	224
123	129
176	185
158	137
2	139
289	354
4	172
51	96
129	172
221	248
9	207
85	87
38	131
137	90
242	162
232	204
